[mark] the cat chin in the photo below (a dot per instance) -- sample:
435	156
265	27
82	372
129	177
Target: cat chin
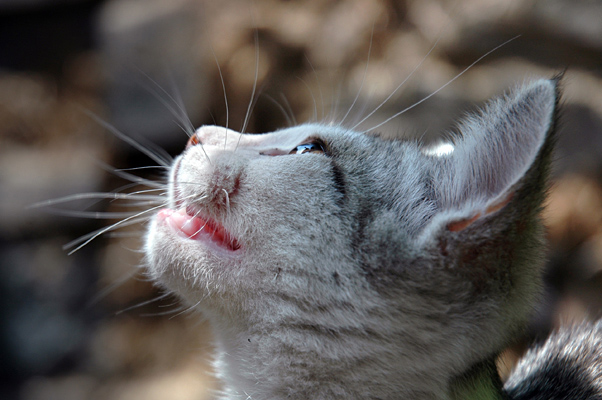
191	268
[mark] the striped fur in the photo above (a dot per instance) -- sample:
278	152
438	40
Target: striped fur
374	269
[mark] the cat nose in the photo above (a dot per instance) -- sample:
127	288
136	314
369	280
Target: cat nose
210	135
193	141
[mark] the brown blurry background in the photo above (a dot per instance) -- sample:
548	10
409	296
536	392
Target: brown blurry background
66	328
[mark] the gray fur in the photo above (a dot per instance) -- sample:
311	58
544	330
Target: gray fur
349	281
543	374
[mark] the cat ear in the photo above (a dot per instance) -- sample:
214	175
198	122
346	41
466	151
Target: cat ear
501	155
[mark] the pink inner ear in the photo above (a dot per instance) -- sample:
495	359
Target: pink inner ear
462	224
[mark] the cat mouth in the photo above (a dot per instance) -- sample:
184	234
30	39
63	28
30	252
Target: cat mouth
187	223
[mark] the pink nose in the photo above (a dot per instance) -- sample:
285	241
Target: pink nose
193	141
210	135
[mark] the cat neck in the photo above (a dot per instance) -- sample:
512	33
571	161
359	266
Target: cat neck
481	382
259	368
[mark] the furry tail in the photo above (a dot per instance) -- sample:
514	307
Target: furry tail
567	366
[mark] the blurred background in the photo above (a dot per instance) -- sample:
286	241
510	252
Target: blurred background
68	329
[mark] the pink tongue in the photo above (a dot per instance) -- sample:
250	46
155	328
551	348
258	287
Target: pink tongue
187	225
193	227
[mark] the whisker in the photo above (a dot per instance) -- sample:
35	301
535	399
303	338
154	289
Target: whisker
196	215
153	156
131	177
93	195
193	196
144	303
175	302
318	83
148	191
179	101
357	95
120	235
160	314
221	77
289	108
443	86
90	234
90	214
111	288
187	310
315	113
165	167
335	95
111	227
144	204
280	107
400	85
227	201
179	111
248	115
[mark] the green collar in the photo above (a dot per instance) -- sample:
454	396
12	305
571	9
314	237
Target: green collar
481	382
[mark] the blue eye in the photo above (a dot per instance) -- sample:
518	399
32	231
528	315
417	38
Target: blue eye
313	147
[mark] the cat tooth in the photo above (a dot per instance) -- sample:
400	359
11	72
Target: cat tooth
184	224
192	227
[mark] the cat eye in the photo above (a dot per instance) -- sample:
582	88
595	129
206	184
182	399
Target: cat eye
312	147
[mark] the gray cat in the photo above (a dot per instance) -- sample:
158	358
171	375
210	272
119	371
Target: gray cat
335	264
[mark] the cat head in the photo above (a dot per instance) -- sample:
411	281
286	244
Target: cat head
431	256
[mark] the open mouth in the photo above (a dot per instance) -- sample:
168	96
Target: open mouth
187	223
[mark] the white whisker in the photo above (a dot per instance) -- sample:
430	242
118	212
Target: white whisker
251	101
175	302
289	121
96	196
315	113
155	157
318	83
179	111
135	179
89	235
400	85
165	167
179	102
91	214
111	288
144	204
289	108
227	201
121	223
186	310
120	235
160	314
357	95
148	191
144	303
440	88
221	77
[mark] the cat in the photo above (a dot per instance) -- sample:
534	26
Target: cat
332	263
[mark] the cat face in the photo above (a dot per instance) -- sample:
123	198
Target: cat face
294	209
344	237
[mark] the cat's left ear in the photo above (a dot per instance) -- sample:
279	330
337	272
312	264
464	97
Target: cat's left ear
500	160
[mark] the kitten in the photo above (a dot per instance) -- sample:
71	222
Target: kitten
332	263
